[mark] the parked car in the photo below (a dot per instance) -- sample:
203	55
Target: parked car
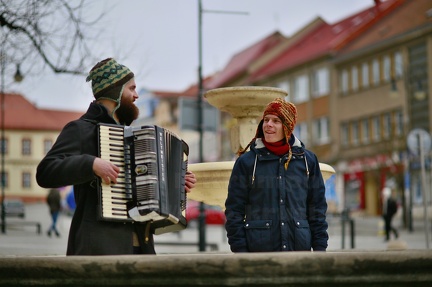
213	214
14	208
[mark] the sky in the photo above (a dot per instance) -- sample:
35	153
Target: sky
158	40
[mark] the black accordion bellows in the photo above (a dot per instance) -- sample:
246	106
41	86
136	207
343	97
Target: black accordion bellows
151	183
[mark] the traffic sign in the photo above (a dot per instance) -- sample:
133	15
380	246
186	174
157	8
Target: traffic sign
419	138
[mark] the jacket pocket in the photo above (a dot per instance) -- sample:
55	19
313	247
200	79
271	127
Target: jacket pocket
302	233
258	235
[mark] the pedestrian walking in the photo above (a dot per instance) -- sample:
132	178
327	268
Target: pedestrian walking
389	210
54	203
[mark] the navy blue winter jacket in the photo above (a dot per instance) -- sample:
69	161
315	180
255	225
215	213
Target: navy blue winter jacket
269	208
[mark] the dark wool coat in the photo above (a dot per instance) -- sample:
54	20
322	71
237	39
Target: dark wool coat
273	209
70	162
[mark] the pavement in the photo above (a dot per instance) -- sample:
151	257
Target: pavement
22	237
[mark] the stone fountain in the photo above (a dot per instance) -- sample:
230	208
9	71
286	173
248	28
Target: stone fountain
245	105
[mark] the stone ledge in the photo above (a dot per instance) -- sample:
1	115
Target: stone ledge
360	268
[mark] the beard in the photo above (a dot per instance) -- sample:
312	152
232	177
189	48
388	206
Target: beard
127	112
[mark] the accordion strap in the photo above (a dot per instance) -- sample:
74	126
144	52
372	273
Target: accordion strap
145	237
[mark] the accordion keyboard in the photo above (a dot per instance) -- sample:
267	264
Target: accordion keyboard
114	197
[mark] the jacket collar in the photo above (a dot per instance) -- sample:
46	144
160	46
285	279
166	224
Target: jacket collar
98	113
294	142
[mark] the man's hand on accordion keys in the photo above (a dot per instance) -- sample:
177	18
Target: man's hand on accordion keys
107	171
190	181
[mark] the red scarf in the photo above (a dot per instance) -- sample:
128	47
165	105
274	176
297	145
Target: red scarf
278	148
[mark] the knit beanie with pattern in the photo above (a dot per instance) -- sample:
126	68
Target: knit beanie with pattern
108	79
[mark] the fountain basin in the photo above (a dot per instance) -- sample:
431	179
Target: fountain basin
213	177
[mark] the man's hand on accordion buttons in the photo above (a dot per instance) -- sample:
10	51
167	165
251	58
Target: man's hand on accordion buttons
107	171
190	181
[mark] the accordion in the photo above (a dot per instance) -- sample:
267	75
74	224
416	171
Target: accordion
151	182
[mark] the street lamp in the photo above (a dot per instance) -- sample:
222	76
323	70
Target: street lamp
201	219
2	173
18	77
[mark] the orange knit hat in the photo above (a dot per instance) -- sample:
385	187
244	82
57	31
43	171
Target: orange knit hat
284	110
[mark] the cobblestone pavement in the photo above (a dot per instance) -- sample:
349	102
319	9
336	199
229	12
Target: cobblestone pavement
24	240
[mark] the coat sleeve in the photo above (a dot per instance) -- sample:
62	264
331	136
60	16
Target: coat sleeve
65	164
235	205
317	207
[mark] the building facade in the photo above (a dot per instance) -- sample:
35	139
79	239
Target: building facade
360	86
29	133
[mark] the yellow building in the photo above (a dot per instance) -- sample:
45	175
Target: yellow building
29	133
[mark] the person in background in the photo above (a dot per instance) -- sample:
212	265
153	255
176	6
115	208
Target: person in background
389	210
276	194
73	161
53	200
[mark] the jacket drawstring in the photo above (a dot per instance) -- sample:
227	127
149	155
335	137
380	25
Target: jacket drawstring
288	159
307	167
253	173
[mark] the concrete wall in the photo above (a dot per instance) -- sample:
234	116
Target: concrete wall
387	268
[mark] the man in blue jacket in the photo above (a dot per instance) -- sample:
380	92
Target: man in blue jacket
276	194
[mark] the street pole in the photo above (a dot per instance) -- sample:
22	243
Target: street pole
201	220
2	143
200	73
423	183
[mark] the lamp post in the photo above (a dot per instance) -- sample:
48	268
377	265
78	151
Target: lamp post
18	77
2	173
201	219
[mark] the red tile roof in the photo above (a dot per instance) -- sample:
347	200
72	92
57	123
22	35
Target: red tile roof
20	114
409	16
325	39
239	64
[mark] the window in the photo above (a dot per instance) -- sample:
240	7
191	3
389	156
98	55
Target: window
354	78
300	131
26	147
321	131
47	145
344	82
365	75
398	123
320	82
386	125
398	65
344	135
284	85
5	146
301	89
26	179
376	128
376	72
5	177
387	69
355	133
365	131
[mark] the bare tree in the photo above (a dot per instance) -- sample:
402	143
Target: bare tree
53	33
